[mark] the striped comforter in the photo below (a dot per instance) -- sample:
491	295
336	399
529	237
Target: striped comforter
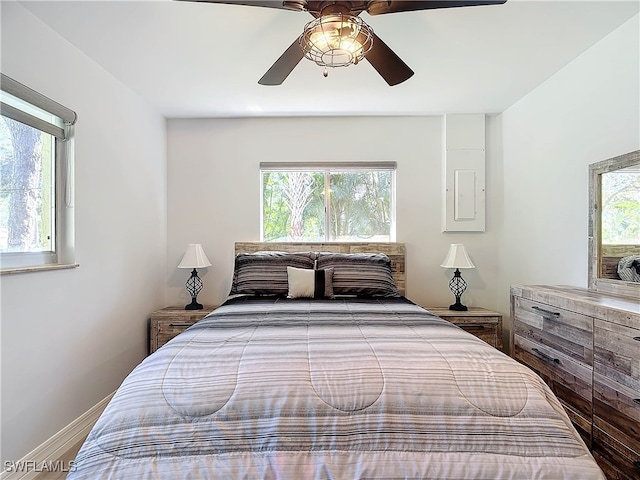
267	388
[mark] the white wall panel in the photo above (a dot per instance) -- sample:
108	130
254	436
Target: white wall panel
464	187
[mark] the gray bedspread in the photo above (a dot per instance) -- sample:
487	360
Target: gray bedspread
273	388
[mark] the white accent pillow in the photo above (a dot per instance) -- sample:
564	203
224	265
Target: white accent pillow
302	282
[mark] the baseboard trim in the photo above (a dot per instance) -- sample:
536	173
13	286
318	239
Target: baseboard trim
30	466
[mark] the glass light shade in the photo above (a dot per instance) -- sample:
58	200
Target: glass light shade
457	257
194	257
336	40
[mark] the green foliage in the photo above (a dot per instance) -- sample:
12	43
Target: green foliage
621	208
359	205
274	209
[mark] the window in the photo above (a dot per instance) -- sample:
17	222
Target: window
621	207
336	202
36	136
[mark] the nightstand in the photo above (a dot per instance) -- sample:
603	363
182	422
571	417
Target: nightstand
483	323
168	322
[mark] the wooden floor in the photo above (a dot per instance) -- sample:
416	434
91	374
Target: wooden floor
69	456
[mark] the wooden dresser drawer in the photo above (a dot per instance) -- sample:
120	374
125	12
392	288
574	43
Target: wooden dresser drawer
570	380
557	322
617	461
558	345
616	389
566	332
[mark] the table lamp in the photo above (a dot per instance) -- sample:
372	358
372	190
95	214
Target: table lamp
194	258
457	258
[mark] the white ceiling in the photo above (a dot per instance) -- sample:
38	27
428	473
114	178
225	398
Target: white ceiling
192	59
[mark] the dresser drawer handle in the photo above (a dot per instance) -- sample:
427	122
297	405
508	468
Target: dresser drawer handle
637	339
556	314
543	355
180	324
636	400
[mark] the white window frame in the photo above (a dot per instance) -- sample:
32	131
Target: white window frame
328	168
27	106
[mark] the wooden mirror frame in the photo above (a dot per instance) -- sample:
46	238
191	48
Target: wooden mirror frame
596	282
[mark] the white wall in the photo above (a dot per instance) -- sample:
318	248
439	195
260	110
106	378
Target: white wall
589	111
69	337
214	193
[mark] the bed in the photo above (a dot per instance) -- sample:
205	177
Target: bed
338	377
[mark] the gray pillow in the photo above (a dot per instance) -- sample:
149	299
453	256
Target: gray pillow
629	268
361	274
265	273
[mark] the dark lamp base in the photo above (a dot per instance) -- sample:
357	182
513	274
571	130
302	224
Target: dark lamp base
193	287
194	306
458	307
457	285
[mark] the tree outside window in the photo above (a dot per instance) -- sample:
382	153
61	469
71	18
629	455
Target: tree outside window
621	207
27	197
328	204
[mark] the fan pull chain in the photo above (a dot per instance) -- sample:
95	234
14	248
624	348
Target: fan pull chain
326	72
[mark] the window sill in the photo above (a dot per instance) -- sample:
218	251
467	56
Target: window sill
38	268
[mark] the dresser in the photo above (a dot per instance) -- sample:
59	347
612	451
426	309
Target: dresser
586	346
168	322
484	324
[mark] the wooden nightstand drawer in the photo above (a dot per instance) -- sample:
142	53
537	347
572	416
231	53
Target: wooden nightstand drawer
171	321
484	324
484	330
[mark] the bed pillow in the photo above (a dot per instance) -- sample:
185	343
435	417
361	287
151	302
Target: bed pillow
265	273
361	274
629	268
306	283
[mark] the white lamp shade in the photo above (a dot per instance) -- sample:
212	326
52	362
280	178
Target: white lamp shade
457	257
194	257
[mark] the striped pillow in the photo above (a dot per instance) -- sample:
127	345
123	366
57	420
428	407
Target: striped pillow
361	274
265	273
629	268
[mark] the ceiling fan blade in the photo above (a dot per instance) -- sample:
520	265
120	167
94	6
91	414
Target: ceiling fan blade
281	69
251	3
389	65
393	6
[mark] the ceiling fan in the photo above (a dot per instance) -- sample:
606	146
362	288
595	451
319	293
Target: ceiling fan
338	37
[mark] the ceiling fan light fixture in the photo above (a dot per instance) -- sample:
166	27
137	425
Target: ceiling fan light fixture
336	40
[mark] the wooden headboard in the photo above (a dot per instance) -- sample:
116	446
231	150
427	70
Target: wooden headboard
395	251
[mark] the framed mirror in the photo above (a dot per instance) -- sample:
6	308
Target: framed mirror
614	225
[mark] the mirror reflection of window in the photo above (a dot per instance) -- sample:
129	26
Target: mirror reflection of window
621	207
620	224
